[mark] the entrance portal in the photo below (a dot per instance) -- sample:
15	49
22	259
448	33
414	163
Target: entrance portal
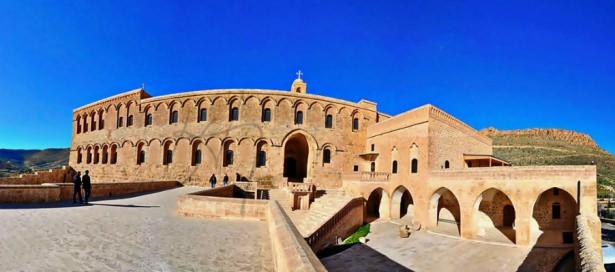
296	153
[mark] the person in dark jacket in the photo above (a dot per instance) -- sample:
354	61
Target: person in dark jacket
213	180
225	180
77	188
87	186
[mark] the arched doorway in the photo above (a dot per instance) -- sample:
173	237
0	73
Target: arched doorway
494	217
554	218
445	212
296	153
402	204
377	205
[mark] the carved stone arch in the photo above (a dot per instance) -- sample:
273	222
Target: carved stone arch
202	101
172	103
299	102
144	142
245	139
344	111
245	101
316	106
125	142
185	102
328	145
195	139
168	139
219	98
149	143
232	100
108	106
157	106
263	139
267	99
286	100
330	107
181	138
309	137
229	139
212	138
148	107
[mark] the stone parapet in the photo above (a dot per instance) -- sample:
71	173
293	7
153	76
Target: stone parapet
57	175
587	257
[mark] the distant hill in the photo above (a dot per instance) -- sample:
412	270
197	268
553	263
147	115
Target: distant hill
552	146
16	161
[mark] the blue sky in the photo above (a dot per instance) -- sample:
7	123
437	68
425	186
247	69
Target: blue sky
507	64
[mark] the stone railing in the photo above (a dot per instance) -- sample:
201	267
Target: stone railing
368	176
248	186
341	224
587	257
301	187
57	175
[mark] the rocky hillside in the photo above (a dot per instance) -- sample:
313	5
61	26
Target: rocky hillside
552	146
15	161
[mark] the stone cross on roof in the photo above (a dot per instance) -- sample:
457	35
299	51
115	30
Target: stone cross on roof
299	74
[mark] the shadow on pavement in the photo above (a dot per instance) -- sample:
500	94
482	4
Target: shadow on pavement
361	257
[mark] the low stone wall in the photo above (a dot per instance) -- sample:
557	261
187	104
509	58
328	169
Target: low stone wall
58	175
29	193
290	252
221	204
54	192
587	257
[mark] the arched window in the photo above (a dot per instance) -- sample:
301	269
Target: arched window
329	121
78	124
85	123
234	114
101	120
197	157
202	115
79	155
261	158
120	122
174	117
372	167
266	115
228	157
556	211
394	167
105	154
167	154
96	155
113	154
129	121
447	165
140	154
326	156
298	118
89	156
197	154
415	166
148	119
93	121
261	154
355	124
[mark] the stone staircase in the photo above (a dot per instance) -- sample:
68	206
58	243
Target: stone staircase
325	205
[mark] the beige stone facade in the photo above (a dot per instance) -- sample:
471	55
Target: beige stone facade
422	164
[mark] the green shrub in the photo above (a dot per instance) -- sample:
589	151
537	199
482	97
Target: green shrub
362	231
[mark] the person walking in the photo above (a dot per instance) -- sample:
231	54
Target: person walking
77	188
213	180
87	186
225	180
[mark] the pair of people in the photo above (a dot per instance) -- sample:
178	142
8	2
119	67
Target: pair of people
213	180
78	182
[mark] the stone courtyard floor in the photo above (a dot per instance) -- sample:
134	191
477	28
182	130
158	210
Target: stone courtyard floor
141	233
425	251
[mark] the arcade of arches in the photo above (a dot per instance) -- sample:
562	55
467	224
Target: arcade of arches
492	215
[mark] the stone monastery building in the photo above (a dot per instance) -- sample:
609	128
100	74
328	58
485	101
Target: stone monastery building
423	164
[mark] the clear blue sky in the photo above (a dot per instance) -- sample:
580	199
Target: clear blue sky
508	64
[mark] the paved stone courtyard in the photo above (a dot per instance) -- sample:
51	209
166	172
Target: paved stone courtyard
425	251
141	233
